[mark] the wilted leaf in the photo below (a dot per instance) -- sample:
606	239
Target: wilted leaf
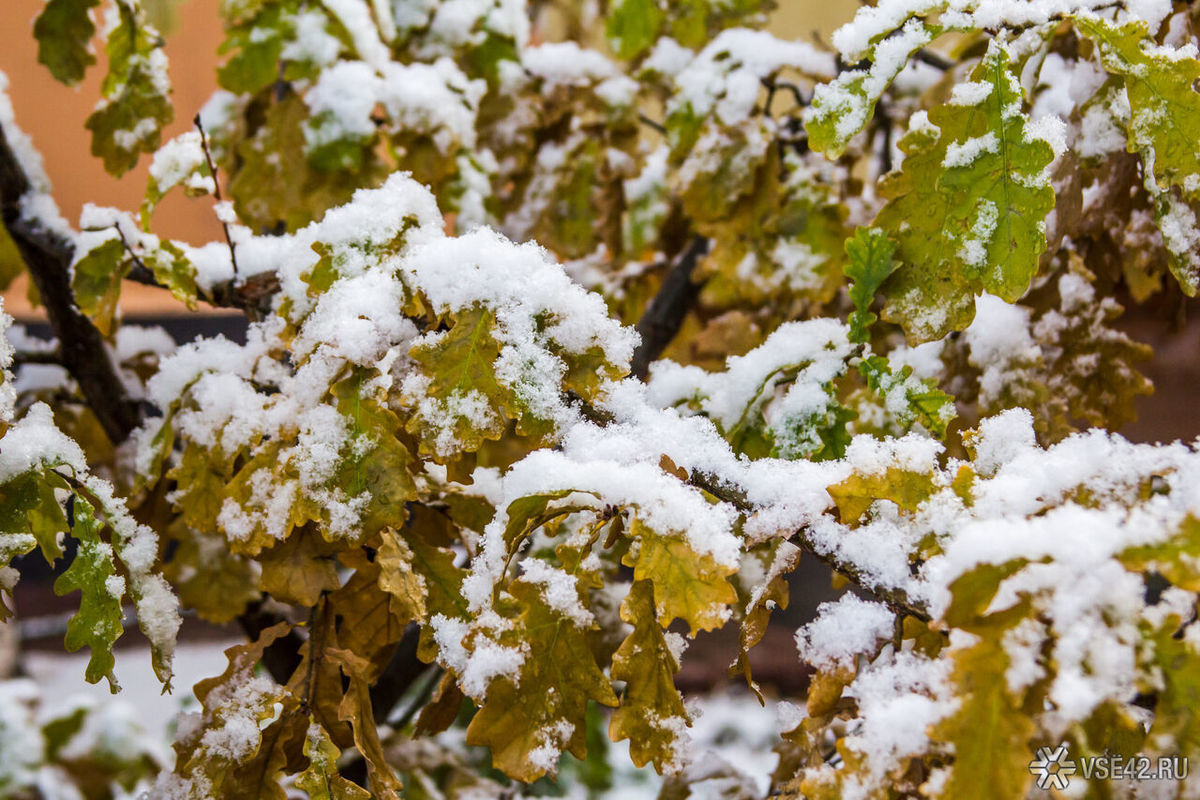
651	715
321	779
857	493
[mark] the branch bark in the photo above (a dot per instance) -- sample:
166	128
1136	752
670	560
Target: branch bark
251	296
664	316
894	597
48	256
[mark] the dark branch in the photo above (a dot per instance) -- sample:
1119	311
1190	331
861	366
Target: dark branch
48	256
399	675
897	599
665	314
884	122
934	60
653	125
251	295
283	656
23	357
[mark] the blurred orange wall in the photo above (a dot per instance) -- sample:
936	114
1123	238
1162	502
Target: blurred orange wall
54	116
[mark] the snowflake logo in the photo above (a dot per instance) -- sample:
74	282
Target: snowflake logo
1052	768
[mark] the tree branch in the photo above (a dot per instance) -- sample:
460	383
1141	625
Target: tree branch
251	296
398	676
48	256
897	599
664	316
282	657
212	169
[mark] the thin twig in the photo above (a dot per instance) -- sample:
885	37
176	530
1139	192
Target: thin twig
137	261
884	121
23	357
894	597
934	60
212	168
652	124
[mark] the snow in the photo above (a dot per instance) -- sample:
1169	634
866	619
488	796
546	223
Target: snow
819	346
970	93
355	18
180	161
668	58
842	630
37	204
973	248
1177	221
1000	344
477	668
560	591
963	154
8	395
724	77
853	92
899	700
312	43
35	443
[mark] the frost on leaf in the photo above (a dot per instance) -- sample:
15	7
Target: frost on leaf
1163	117
843	107
1164	106
967	207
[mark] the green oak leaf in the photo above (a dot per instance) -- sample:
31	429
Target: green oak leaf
129	119
321	779
844	106
968	207
633	26
97	624
870	262
258	47
63	31
173	269
375	460
28	508
97	282
1163	103
472	404
989	731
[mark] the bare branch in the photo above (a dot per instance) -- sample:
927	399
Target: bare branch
251	295
23	357
934	60
664	315
652	124
212	168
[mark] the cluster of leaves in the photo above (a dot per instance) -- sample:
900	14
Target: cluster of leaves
428	458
